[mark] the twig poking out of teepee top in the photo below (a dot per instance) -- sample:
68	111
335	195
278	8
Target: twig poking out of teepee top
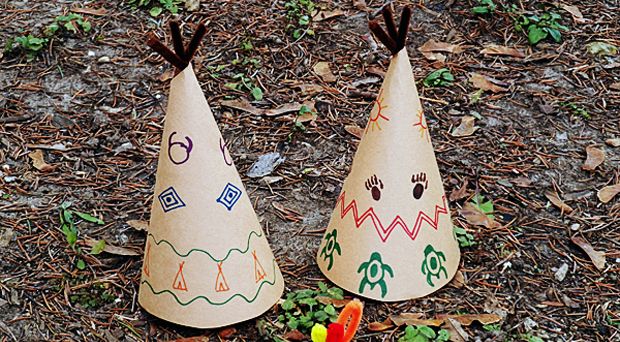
181	57
394	39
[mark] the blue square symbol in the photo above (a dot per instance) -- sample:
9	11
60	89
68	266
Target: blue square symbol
229	196
170	200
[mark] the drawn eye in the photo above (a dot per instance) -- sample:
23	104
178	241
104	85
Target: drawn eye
420	184
374	185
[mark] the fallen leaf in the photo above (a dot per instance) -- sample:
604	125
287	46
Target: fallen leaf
461	192
6	236
607	193
226	332
602	49
286	108
322	69
166	75
469	319
114	249
337	303
355	131
434	46
522	182
459	280
246	106
569	302
39	162
360	5
324	15
555	199
192	5
613	142
595	157
138	225
404	317
309	89
502	51
380	326
485	83
92	11
598	258
457	334
466	128
243	105
434	56
192	339
474	216
575	13
615	86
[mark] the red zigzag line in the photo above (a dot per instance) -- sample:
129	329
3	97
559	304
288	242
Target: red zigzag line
384	233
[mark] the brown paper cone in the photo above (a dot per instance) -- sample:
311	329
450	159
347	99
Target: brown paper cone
207	262
390	236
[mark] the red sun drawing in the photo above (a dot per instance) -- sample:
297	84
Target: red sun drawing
373	122
423	126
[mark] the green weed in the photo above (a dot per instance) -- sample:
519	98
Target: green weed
69	229
245	83
304	308
538	28
484	7
299	13
422	333
156	7
492	327
71	22
29	45
439	78
463	237
576	110
484	206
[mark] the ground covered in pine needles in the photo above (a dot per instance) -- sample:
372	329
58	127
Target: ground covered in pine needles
532	129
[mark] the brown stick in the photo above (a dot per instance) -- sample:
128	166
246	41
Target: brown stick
390	24
405	18
382	36
154	43
200	32
177	40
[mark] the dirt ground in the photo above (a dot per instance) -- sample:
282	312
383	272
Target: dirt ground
93	104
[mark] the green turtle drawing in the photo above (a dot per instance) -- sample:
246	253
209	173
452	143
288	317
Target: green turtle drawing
331	246
432	266
374	273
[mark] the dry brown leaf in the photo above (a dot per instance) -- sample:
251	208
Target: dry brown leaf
459	280
295	335
192	339
434	46
38	161
138	225
242	104
607	193
615	142
309	89
555	199
502	51
455	333
404	317
92	11
338	303
435	56
474	216
166	75
324	15
469	319
485	83
355	131
523	182
286	108
575	13
461	192
115	249
615	86
598	258
322	69
466	128
595	157
380	326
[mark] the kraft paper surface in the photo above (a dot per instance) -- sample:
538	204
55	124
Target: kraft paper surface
390	236
207	262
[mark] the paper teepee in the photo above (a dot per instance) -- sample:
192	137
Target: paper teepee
390	236
207	262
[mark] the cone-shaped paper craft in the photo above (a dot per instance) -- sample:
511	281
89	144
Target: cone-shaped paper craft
207	262
390	236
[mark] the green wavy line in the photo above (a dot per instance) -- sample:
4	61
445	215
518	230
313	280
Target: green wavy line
214	303
247	248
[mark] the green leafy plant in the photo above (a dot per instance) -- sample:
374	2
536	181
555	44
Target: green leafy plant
484	7
439	78
156	7
576	110
422	333
492	327
299	13
93	296
484	206
463	237
68	226
538	28
530	338
71	22
245	83
304	308
30	45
